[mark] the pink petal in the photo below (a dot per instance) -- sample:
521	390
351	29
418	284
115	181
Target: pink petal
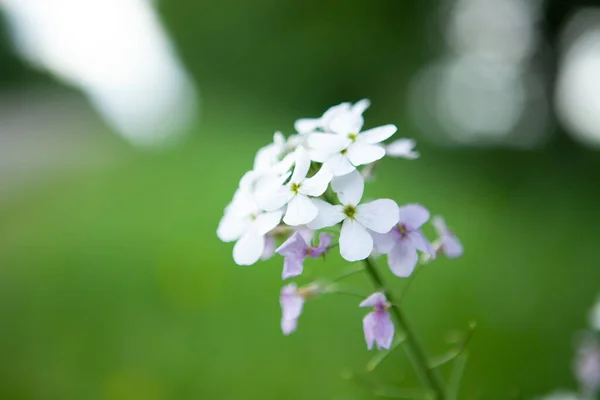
377	300
413	216
403	258
325	240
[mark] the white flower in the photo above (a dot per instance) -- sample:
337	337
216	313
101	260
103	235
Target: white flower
245	222
271	154
402	148
272	160
347	148
308	125
379	216
295	193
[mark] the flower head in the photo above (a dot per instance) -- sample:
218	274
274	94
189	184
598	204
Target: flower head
297	192
450	245
245	223
347	147
380	216
295	250
402	242
377	324
292	300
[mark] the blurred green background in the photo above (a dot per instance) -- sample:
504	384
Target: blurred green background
114	286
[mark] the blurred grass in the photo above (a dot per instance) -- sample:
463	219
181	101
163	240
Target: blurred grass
114	286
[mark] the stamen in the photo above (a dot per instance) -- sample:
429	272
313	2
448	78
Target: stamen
350	211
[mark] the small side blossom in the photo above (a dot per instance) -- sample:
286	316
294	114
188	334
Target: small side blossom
377	325
402	148
297	192
291	300
347	147
295	250
402	242
308	125
450	245
355	240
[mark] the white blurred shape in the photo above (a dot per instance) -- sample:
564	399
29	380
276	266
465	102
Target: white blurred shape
485	89
578	87
117	53
473	100
502	30
480	98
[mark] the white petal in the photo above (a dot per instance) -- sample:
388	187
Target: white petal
339	165
355	242
360	106
279	139
249	248
349	187
360	153
379	215
318	156
300	211
306	125
328	142
266	222
317	184
346	123
266	157
377	135
301	166
231	227
328	215
334	111
274	200
267	187
403	148
284	166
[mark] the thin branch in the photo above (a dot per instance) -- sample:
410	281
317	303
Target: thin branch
458	370
351	271
454	353
387	390
430	377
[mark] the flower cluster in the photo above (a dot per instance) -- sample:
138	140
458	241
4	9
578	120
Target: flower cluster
586	365
313	182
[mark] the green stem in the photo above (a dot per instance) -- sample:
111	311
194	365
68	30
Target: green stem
430	377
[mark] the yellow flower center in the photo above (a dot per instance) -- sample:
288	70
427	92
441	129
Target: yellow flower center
350	211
